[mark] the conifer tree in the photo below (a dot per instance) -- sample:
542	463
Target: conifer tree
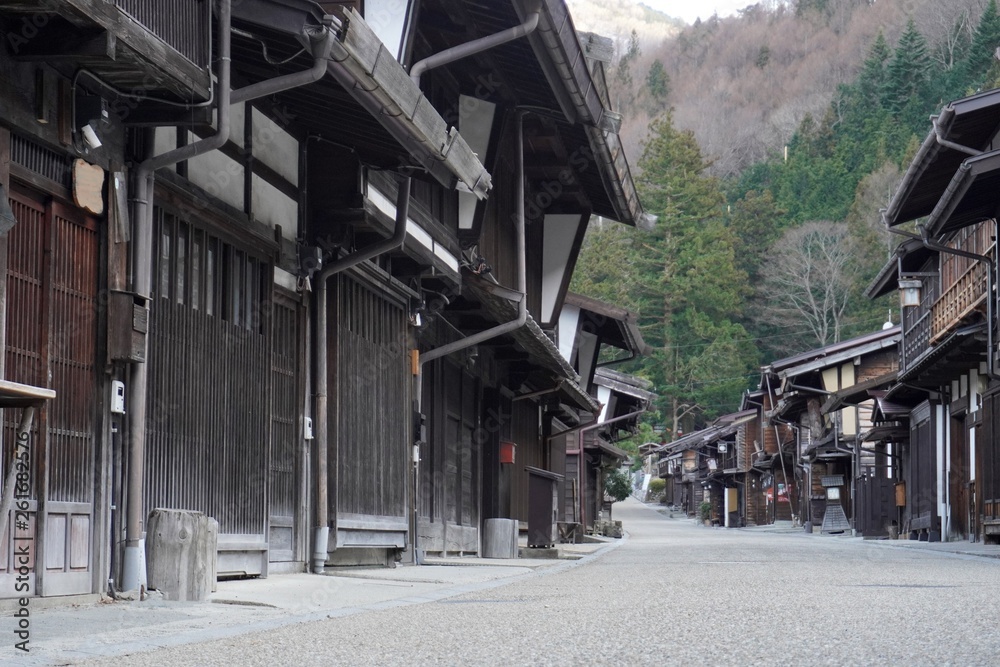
907	80
980	61
870	86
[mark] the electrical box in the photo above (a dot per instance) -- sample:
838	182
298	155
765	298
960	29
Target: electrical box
308	428
117	397
128	323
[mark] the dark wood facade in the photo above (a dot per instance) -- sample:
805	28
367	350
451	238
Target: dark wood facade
947	368
369	414
53	318
306	177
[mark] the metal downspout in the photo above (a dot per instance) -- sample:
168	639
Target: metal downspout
990	280
936	121
475	46
141	285
482	336
321	534
321	59
142	275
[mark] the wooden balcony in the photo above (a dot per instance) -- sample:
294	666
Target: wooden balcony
963	297
139	46
916	339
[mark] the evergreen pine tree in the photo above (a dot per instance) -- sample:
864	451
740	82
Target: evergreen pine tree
981	58
907	79
870	86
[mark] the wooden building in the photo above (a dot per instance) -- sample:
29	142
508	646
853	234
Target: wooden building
822	395
947	363
194	299
713	465
493	381
592	336
244	218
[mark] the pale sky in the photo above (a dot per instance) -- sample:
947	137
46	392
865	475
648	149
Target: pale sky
689	10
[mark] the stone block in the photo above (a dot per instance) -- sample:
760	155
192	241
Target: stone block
181	553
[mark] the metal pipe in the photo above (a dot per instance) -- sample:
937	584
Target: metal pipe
814	390
321	534
142	284
475	46
990	296
482	336
540	392
593	424
294	80
781	457
522	274
142	275
935	121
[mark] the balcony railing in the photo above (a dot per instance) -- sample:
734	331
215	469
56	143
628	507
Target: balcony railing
962	298
182	24
916	339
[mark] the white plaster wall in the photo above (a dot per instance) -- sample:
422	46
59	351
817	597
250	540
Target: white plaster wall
219	176
275	147
569	320
237	115
604	396
164	139
560	230
272	207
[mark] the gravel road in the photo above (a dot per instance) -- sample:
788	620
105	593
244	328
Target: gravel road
673	594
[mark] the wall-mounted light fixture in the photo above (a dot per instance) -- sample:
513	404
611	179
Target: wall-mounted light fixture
909	293
90	118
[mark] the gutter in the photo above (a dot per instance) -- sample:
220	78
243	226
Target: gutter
145	173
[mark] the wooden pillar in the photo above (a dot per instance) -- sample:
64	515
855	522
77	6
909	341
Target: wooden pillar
5	181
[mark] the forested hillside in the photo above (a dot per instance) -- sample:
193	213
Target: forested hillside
766	144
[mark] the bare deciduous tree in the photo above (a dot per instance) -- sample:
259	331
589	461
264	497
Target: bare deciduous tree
808	279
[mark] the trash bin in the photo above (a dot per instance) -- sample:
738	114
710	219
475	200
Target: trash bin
181	553
543	507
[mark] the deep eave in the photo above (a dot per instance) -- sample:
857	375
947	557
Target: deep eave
971	122
910	255
623	383
857	393
366	101
546	73
530	338
616	326
970	197
835	353
106	40
965	348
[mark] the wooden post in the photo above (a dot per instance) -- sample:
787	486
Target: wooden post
5	181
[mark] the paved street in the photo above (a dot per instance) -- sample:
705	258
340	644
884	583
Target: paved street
673	593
